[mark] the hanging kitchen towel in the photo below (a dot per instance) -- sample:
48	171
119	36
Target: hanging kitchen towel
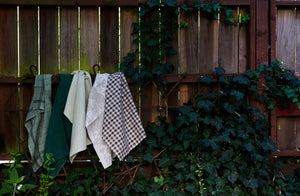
75	111
37	119
60	128
94	119
122	127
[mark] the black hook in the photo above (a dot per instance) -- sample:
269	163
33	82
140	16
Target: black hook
32	71
94	69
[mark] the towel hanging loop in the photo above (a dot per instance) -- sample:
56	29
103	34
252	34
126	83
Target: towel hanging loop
33	69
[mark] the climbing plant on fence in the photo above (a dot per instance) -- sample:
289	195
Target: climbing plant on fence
218	143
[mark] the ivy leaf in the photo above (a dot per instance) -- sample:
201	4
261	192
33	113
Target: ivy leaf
147	157
164	162
159	180
237	94
205	104
166	141
186	109
193	117
191	188
219	71
226	156
217	122
151	42
177	147
252	183
268	145
249	147
232	176
210	168
186	144
170	130
241	80
223	80
210	143
152	142
206	79
229	107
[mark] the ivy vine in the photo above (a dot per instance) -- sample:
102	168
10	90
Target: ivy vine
156	30
218	144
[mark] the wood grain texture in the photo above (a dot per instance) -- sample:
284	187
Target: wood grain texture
297	68
26	93
89	34
209	34
273	16
8	41
69	57
243	45
128	16
262	32
28	38
150	104
286	37
109	39
286	133
189	44
228	46
9	119
48	36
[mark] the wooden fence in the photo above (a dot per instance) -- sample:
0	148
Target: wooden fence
62	36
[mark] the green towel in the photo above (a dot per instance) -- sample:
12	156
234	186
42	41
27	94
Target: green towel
60	128
37	119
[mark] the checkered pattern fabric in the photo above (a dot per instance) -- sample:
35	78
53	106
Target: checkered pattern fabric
122	128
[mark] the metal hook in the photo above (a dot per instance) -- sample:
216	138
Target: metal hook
94	69
31	69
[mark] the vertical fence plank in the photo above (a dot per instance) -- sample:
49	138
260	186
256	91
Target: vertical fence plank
69	57
109	39
9	123
228	46
243	45
286	37
48	36
28	38
8	41
286	133
89	43
298	41
189	43
150	104
209	32
128	16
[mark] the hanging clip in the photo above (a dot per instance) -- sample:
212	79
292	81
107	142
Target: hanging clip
33	69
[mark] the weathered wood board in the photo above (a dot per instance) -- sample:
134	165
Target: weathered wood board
48	40
286	37
8	41
89	38
69	57
109	55
28	38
